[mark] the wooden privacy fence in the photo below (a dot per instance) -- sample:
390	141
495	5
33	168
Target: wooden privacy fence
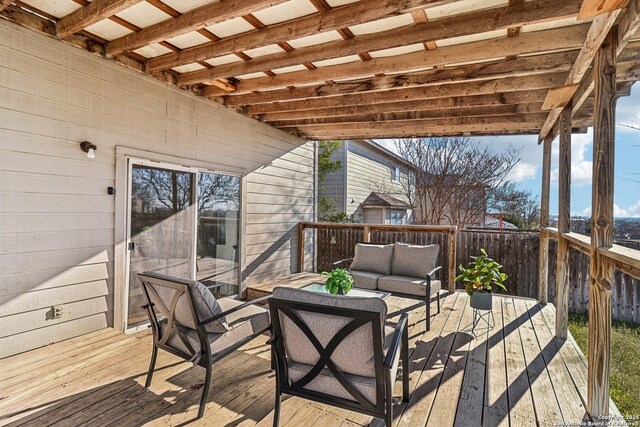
517	251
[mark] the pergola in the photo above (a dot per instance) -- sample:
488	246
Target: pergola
337	69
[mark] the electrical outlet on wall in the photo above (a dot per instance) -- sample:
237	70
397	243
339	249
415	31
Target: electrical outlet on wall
57	311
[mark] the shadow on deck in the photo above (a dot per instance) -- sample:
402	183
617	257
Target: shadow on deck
516	374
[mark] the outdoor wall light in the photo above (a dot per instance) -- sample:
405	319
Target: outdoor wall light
88	148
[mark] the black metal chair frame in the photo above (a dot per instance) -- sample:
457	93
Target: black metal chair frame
383	407
203	356
426	299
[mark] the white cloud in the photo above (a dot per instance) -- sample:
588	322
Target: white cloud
581	168
632	211
522	172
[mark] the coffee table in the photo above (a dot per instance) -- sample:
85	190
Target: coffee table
354	292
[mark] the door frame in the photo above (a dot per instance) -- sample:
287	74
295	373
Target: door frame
125	158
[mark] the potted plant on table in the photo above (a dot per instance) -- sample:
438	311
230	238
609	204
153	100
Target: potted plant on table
481	278
339	281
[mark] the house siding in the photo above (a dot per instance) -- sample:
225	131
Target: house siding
334	185
57	222
369	171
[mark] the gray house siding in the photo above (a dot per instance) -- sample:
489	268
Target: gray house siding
58	225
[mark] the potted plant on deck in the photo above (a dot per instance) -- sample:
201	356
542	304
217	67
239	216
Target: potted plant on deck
481	278
339	281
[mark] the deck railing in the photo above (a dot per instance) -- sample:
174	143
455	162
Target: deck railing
517	251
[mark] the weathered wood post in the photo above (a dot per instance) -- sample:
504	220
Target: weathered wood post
601	268
453	237
543	260
366	234
301	228
564	223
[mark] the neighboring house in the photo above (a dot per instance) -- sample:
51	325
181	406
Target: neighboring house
371	184
500	223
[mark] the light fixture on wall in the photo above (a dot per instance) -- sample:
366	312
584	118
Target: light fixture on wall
88	148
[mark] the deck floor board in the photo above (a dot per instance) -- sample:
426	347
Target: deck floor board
516	373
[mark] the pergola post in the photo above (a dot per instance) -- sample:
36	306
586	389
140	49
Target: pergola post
543	261
601	268
564	223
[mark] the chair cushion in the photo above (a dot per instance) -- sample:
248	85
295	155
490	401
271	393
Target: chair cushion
365	280
242	324
207	306
326	383
372	258
354	355
407	285
414	260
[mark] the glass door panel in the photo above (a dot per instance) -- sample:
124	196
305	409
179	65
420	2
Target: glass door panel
218	232
161	229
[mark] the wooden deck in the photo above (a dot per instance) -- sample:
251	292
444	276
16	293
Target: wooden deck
515	374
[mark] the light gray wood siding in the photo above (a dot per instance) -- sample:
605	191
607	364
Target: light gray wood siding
56	218
369	170
335	185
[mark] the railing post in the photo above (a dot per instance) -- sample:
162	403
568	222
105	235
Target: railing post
366	234
543	260
301	228
600	267
453	236
564	224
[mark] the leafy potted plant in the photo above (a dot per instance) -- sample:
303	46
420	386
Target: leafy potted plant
339	281
481	278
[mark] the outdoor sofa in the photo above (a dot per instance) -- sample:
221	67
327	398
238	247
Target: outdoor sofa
401	269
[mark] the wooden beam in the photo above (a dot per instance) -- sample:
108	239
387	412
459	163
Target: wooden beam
301	235
559	97
4	4
413	114
528	43
591	8
543	261
444	106
597	32
540	64
564	224
191	21
88	15
417	129
418	120
601	268
511	84
333	19
422	132
456	26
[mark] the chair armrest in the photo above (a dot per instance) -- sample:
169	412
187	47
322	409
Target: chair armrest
431	273
341	261
271	340
396	341
233	310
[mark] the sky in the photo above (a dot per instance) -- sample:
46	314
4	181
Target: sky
528	172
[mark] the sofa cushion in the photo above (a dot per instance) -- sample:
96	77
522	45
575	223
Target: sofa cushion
414	260
372	258
207	306
407	285
354	355
365	280
242	324
326	383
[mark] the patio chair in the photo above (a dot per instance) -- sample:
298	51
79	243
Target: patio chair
189	322
337	350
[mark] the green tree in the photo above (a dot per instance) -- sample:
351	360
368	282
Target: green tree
326	165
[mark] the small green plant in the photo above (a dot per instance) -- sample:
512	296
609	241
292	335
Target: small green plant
339	281
482	275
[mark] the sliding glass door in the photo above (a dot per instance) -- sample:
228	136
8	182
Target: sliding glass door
183	222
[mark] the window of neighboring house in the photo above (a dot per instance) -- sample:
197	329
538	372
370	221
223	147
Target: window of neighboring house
397	217
395	173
